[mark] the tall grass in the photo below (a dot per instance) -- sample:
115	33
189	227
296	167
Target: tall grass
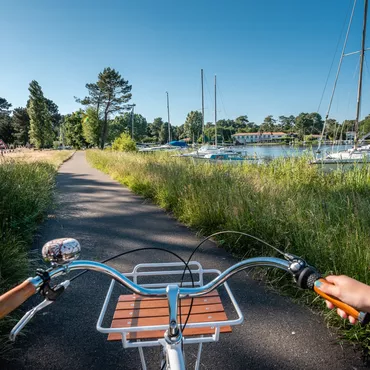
26	191
323	217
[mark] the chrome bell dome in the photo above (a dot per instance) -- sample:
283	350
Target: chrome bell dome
61	251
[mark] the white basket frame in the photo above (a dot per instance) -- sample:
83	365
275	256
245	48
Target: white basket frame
139	271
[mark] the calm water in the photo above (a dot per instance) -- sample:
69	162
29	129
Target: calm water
289	151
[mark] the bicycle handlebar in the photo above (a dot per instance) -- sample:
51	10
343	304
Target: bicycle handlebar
15	297
161	292
303	274
12	299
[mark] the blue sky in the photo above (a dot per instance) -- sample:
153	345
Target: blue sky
270	56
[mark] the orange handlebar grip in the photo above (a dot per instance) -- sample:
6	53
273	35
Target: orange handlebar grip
12	299
336	302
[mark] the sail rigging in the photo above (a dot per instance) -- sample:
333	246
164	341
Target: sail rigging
355	154
343	54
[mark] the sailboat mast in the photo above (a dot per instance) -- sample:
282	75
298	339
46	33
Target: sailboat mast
343	54
201	76
362	58
215	113
168	115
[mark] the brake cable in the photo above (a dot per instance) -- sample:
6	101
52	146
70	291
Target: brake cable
287	256
137	250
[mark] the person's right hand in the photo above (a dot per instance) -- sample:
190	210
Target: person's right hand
348	290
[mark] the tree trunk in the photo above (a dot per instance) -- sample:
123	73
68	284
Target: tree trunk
105	124
104	130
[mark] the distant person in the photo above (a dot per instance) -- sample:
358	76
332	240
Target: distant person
348	290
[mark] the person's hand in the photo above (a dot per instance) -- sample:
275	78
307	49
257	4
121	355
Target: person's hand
350	291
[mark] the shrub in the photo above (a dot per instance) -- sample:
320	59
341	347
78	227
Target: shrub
124	143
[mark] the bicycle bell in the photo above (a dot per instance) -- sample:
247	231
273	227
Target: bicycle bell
61	251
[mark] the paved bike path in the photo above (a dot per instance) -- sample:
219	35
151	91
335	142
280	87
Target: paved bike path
107	219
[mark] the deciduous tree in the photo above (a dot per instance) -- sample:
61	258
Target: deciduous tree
123	123
55	116
332	129
155	128
119	125
140	127
226	128
163	133
364	126
193	125
41	131
91	126
180	132
73	130
308	123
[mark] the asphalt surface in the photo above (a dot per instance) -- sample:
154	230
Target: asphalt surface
107	219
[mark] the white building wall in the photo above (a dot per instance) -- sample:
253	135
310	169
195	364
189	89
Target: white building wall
253	138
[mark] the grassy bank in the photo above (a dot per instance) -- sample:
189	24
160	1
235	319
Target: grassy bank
26	192
324	218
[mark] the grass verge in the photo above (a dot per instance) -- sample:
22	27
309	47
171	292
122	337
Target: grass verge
324	218
26	192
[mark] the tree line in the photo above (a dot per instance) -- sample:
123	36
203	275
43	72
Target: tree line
106	114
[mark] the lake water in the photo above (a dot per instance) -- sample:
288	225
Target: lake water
274	151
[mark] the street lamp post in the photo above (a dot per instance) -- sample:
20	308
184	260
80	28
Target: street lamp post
168	114
132	106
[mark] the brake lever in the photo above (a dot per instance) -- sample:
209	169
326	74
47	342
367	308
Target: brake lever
31	313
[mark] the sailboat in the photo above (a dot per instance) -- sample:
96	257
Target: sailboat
357	154
206	149
215	152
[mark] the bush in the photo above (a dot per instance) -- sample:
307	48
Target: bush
124	143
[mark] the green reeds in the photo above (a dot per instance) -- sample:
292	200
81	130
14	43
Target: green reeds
324	218
26	192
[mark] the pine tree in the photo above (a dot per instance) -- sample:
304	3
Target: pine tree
4	106
108	96
6	126
6	129
21	124
41	131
